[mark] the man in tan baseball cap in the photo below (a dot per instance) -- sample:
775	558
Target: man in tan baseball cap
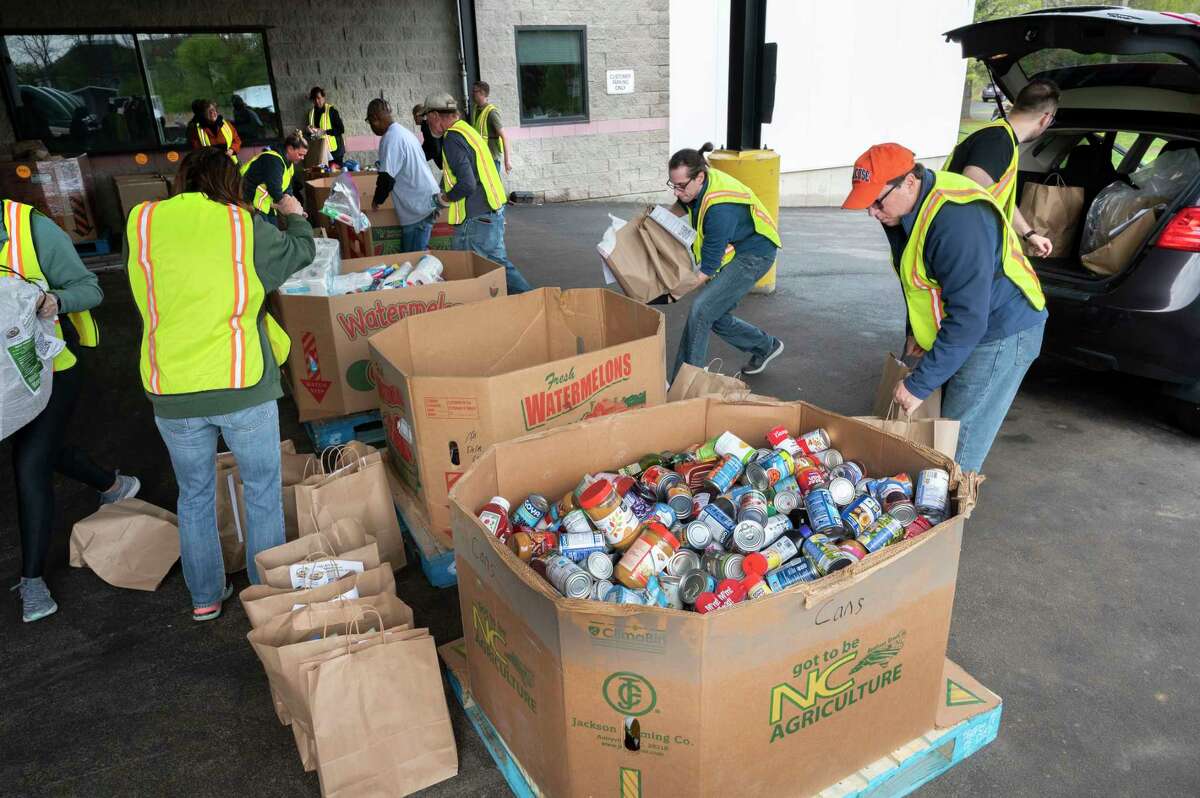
471	188
976	311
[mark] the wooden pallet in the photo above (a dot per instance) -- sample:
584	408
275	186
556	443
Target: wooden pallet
975	709
437	562
366	427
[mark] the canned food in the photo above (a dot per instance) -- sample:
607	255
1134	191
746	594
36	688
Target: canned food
728	445
639	506
918	526
828	458
723	477
842	491
624	595
868	486
532	510
697	535
813	442
749	536
656	479
567	577
786	501
599	564
932	491
707	451
780	438
861	514
756	587
670	588
811	477
580	545
655	595
698	502
576	521
664	514
794	572
679	499
719	516
884	531
683	561
528	543
788	483
752	506
850	469
693	583
601	588
767	472
899	507
775	527
823	513
853	548
724	566
773	556
824	556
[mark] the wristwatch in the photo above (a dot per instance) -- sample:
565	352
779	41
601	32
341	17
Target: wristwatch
1027	235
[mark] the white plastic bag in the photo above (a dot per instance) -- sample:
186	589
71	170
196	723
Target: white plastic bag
316	279
342	204
1154	185
26	365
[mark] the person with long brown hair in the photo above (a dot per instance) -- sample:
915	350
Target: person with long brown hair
200	267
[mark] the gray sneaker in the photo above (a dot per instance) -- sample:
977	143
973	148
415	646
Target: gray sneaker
36	601
758	363
127	488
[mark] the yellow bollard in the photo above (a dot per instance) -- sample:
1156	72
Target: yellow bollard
758	169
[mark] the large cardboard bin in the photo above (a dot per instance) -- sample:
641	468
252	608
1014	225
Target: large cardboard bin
453	383
329	363
784	695
320	187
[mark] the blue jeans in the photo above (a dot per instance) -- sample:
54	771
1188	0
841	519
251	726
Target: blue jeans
980	393
713	311
253	437
415	237
484	235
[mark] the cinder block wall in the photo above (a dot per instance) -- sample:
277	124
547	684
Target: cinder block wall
355	49
622	150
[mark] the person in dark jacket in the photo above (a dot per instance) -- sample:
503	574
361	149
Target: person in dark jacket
272	173
209	129
431	145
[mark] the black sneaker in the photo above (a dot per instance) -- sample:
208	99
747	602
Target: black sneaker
758	363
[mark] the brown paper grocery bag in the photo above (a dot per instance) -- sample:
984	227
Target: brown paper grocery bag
129	544
692	382
939	434
649	262
1113	257
319	568
1054	210
231	506
893	372
263	602
342	535
380	720
356	491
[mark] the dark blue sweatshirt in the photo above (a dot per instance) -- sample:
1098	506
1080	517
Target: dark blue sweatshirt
724	224
962	252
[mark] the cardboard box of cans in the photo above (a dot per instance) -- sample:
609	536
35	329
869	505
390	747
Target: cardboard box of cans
453	383
781	695
330	365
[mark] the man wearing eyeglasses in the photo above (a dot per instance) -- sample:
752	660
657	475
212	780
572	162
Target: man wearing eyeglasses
975	307
989	156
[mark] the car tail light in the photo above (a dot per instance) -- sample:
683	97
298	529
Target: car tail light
1182	232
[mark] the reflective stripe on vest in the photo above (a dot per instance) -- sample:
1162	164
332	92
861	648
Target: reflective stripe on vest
262	197
722	188
1004	190
485	169
922	293
481	124
191	270
226	133
325	124
20	255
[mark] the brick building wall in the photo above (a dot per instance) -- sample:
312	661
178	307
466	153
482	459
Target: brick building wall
403	49
622	150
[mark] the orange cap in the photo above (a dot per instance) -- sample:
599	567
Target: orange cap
873	169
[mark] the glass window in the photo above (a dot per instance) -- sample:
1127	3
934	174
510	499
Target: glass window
79	92
228	68
1053	58
552	75
88	92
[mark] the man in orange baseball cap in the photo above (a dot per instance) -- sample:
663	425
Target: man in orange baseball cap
975	306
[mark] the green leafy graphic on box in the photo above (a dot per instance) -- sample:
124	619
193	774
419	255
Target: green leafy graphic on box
880	654
493	640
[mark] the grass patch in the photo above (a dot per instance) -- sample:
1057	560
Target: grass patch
968	126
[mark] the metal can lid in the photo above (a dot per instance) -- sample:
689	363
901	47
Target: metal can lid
577	585
692	584
599	565
786	501
749	536
697	534
904	512
680	504
842	491
683	561
734	566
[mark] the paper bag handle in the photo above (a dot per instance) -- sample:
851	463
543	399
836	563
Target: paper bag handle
720	361
354	625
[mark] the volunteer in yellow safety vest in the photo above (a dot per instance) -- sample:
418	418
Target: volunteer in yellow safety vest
200	267
736	242
990	155
486	121
324	120
975	307
35	249
270	175
209	129
471	188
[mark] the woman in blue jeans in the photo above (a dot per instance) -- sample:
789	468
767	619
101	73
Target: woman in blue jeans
736	242
200	267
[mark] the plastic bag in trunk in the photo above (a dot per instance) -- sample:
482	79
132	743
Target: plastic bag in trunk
1153	185
26	365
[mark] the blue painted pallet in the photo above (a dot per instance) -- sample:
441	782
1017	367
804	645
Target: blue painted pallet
366	427
898	774
436	563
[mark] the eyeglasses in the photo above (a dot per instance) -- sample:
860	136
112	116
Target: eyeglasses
681	186
878	204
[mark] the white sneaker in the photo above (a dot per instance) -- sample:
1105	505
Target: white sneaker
126	488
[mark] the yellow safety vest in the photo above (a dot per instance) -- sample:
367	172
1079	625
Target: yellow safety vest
481	123
922	293
262	197
1004	190
226	133
485	167
191	269
20	256
324	125
723	188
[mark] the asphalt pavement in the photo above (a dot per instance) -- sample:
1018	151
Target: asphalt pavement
1076	593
